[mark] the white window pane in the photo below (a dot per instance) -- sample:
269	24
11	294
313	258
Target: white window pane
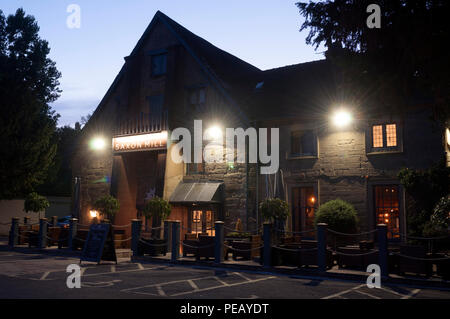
377	133
391	135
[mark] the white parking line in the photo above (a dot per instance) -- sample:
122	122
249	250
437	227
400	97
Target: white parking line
192	283
113	268
45	275
140	266
217	287
242	275
367	294
411	294
343	292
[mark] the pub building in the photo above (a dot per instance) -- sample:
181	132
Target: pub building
328	147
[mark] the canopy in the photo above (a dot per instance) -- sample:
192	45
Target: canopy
197	193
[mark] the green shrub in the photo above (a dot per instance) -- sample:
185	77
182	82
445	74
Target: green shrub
339	215
35	203
274	209
440	219
157	207
107	206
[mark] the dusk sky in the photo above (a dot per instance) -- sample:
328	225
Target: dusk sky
264	33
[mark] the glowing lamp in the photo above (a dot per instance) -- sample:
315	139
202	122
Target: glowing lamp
97	144
213	133
312	199
93	213
342	118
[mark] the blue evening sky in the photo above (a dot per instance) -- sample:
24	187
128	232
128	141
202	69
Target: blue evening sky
264	33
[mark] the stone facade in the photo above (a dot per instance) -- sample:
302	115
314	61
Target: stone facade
343	166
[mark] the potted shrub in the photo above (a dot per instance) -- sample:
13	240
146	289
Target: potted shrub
107	206
159	209
340	216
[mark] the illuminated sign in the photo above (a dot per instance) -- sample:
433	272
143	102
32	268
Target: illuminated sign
143	142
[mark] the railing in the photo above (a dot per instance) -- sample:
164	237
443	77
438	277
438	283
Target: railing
142	123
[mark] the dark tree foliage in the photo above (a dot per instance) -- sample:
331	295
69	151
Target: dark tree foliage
59	177
28	83
405	59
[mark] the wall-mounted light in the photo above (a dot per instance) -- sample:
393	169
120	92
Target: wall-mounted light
97	144
213	133
93	213
342	118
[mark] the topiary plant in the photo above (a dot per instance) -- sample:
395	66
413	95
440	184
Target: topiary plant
157	207
107	206
35	203
274	209
340	216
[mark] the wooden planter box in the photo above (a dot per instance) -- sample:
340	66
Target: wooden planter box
418	267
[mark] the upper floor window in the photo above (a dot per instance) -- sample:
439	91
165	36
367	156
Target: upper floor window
159	64
303	143
384	135
197	99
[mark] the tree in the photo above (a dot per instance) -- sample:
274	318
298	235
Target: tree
28	83
59	177
108	206
35	203
403	60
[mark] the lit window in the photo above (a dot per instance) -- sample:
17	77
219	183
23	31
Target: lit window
384	135
378	136
387	209
391	135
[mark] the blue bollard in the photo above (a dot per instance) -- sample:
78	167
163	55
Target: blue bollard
42	239
73	227
14	233
267	237
175	240
322	246
136	226
218	242
383	250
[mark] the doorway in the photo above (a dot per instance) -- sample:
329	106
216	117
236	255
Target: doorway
201	221
304	203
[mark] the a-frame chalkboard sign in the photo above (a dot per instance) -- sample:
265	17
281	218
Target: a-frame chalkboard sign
99	244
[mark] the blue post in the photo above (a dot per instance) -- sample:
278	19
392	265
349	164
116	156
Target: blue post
218	242
322	246
267	237
14	233
175	240
167	237
383	249
136	226
42	241
73	225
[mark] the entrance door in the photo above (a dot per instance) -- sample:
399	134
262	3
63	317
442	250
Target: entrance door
387	208
201	221
303	208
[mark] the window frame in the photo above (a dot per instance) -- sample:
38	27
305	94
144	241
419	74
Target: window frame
314	155
371	150
153	55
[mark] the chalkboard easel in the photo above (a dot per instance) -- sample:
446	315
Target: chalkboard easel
99	244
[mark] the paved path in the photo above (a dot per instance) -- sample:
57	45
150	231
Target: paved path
40	276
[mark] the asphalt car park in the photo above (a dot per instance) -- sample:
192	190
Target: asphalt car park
43	276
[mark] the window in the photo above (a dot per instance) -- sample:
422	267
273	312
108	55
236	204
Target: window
384	136
202	222
159	64
387	208
303	143
197	100
156	105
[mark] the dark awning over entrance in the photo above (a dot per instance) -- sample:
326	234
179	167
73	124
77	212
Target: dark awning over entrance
197	193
